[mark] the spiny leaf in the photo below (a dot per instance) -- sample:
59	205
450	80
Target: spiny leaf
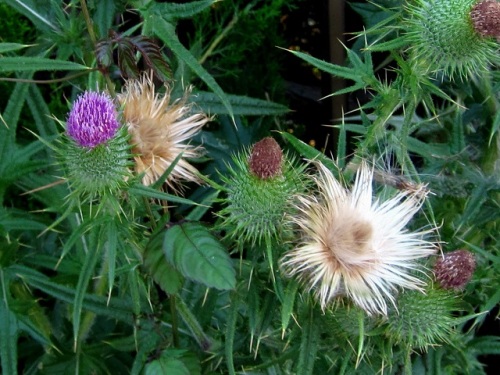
32	64
174	11
199	256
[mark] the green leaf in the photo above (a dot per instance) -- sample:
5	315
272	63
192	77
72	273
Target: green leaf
199	256
8	47
309	343
8	330
166	32
174	11
29	9
103	16
149	192
170	366
33	64
309	152
163	273
241	105
288	303
113	308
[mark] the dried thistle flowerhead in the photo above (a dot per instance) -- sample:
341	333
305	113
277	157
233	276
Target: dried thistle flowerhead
455	269
356	246
160	130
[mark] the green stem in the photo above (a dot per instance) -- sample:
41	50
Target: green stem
219	39
93	38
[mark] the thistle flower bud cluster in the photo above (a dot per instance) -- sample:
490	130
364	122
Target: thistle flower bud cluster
450	36
260	188
455	269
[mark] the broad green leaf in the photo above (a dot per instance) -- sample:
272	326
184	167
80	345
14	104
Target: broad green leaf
241	105
166	32
199	256
8	47
163	273
174	11
170	366
33	64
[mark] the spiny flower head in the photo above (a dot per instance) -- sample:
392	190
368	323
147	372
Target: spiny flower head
455	269
93	120
442	38
355	246
96	154
160	130
422	319
260	186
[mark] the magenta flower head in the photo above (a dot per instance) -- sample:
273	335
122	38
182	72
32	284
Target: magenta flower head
93	120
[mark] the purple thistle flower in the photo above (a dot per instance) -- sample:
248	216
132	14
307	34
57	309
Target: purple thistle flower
93	120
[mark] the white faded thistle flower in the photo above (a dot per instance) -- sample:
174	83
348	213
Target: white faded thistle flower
356	246
160	131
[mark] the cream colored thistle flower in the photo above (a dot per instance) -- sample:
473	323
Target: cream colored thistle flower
160	131
355	246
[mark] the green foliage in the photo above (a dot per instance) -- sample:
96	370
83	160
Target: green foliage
102	274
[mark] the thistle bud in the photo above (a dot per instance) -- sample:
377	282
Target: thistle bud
422	320
260	187
442	38
266	158
455	269
96	154
485	17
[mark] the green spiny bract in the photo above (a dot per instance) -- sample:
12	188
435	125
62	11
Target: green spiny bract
258	198
103	169
422	319
441	39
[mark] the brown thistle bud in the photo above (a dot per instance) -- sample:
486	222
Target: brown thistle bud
266	158
454	269
485	17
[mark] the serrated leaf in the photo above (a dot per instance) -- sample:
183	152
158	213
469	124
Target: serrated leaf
163	273
241	105
32	64
199	256
170	366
